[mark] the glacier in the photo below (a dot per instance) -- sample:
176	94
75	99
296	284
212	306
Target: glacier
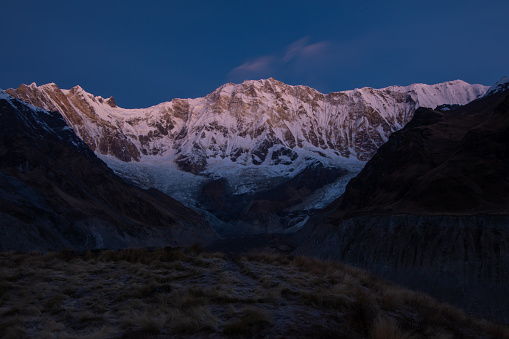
256	135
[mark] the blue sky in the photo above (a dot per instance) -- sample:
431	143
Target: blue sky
147	52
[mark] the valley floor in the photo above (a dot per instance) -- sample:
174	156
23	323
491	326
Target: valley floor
192	293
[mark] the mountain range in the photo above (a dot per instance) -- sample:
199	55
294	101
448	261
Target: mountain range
430	210
409	182
55	193
229	152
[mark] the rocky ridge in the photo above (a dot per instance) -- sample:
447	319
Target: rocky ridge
453	162
249	123
253	137
55	193
430	209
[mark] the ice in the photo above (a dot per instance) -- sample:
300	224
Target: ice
241	117
161	173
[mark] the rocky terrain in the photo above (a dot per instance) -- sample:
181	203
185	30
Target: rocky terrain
55	193
452	162
245	141
431	208
188	293
248	122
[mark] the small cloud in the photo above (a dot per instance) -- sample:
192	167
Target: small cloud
297	58
293	49
317	49
259	65
301	49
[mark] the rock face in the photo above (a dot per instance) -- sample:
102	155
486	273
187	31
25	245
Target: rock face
269	211
441	163
463	260
79	111
431	208
241	142
55	193
255	122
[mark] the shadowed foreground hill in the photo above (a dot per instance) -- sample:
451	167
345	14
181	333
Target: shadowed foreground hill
441	163
55	193
189	293
431	209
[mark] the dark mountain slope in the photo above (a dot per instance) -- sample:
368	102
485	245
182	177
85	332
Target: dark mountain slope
454	163
431	209
252	139
55	193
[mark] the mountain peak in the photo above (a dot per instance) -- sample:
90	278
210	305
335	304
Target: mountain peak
252	134
77	89
50	86
499	86
109	101
256	122
56	193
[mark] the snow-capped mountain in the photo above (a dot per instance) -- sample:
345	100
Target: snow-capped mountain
55	193
252	134
432	203
250	123
500	86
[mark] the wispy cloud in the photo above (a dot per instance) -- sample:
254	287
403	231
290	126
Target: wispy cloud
294	55
301	49
257	65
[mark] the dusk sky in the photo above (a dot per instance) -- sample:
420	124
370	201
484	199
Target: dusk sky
147	52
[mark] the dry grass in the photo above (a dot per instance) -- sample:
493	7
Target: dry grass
387	328
187	292
251	320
